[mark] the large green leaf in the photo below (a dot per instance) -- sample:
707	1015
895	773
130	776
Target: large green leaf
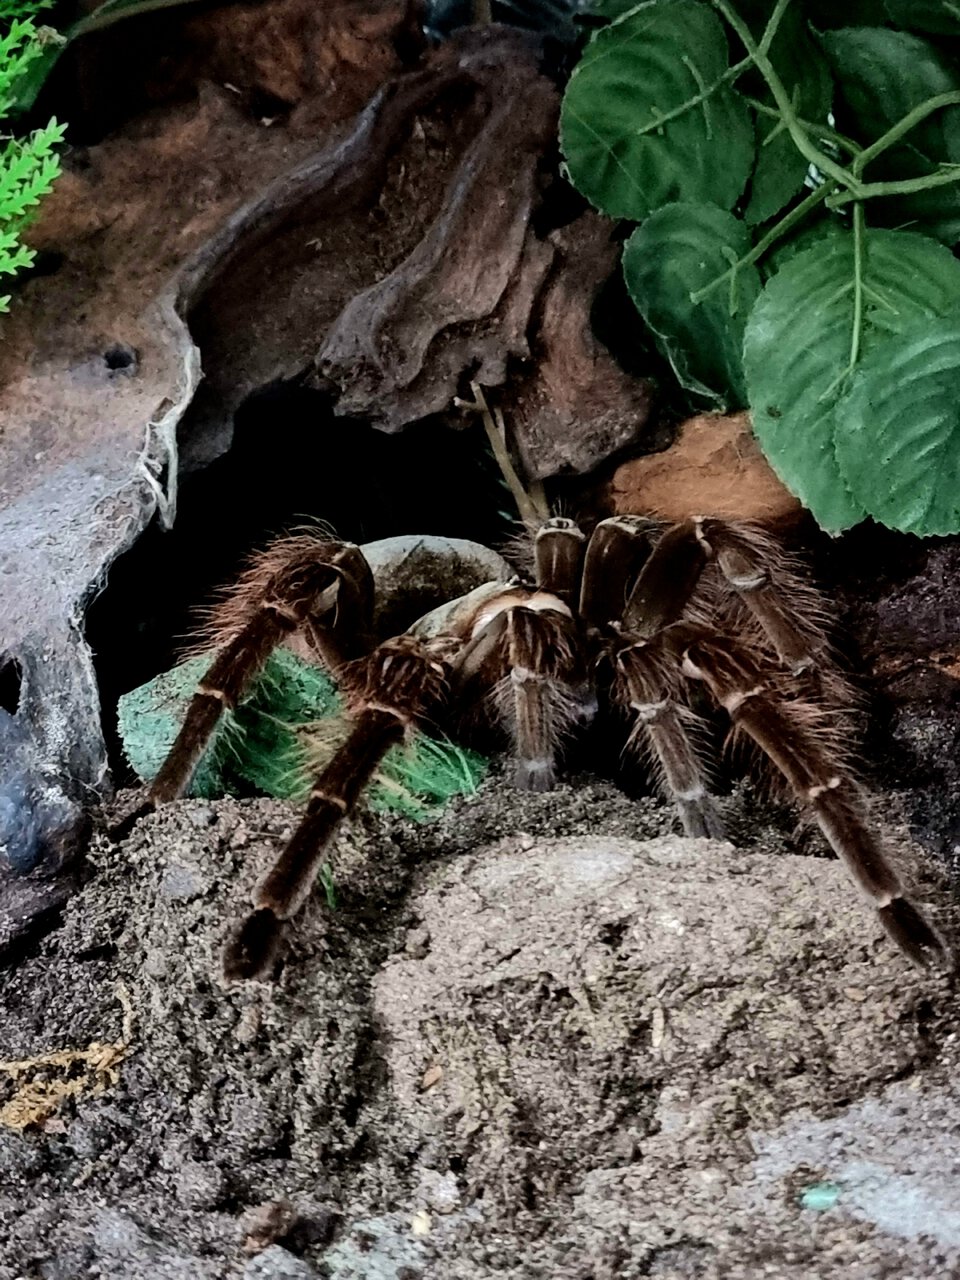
883	75
649	115
898	429
798	346
679	249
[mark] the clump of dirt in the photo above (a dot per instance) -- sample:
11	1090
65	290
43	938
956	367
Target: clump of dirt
540	1036
521	1043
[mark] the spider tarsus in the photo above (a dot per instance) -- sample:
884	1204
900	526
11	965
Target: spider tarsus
535	775
701	818
913	934
252	951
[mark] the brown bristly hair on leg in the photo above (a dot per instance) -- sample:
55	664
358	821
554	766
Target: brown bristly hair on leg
666	733
301	583
272	573
789	732
536	696
387	693
558	547
765	597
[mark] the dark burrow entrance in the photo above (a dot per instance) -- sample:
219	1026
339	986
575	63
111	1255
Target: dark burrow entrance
291	462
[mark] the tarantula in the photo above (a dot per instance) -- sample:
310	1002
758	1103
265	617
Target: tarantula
638	615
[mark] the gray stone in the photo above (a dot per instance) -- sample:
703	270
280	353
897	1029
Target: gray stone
276	1263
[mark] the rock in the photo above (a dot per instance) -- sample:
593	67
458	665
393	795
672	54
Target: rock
713	468
277	1263
578	408
415	574
382	1248
608	1032
125	1248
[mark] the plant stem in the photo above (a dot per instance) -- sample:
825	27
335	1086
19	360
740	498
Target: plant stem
824	131
857	328
533	511
706	91
107	14
903	187
731	74
763	244
758	54
770	31
897	131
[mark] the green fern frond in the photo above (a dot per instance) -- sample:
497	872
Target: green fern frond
28	166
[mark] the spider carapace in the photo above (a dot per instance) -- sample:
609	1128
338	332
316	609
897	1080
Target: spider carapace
639	614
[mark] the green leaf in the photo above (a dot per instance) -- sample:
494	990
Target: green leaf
898	429
801	65
649	115
779	173
679	249
939	17
798	347
822	228
22	8
883	75
26	85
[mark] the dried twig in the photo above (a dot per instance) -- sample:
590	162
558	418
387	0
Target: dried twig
532	503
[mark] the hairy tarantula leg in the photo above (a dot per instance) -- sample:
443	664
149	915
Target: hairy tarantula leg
787	732
662	731
536	697
325	588
478	663
387	692
521	648
558	549
615	555
746	559
346	634
667	580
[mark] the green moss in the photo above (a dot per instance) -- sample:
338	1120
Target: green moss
280	736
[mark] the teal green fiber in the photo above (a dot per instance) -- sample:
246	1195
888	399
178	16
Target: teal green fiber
258	749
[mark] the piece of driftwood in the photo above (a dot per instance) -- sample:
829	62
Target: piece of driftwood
463	298
202	254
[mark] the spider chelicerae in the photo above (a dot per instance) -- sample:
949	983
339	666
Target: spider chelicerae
638	616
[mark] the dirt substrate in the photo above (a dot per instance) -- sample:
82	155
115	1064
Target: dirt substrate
540	1037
